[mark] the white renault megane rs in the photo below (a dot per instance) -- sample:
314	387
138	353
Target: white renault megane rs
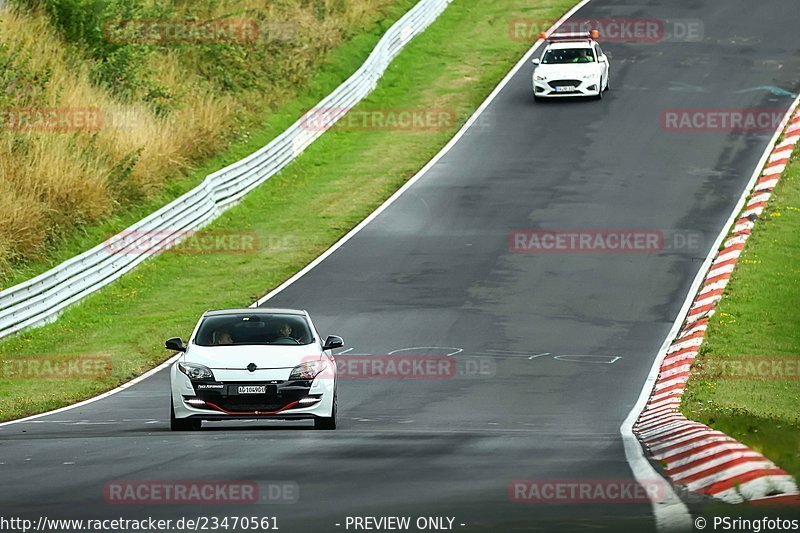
253	364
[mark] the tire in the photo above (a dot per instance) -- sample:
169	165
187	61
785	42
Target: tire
608	84
182	424
327	423
599	95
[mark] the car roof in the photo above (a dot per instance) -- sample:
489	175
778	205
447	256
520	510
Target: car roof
585	43
255	311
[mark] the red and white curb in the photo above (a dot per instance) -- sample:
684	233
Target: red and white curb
693	455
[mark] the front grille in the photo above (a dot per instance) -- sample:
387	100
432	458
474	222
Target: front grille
240	405
278	394
562	83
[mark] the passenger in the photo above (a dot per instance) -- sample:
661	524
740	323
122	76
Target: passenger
223	338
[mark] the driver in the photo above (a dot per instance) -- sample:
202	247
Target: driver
582	57
285	331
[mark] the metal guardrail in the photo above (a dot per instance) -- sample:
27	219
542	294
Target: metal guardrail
40	300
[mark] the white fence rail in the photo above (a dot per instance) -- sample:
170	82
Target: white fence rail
41	299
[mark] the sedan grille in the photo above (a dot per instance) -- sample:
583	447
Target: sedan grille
563	83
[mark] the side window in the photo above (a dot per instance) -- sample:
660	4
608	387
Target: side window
598	51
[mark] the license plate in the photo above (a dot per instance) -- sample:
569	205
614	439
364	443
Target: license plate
253	389
565	89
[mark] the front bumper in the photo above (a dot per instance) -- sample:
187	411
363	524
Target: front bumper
566	88
220	400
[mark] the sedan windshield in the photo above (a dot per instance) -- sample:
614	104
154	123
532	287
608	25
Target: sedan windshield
248	329
568	55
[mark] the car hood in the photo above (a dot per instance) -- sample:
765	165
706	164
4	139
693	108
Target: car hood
567	71
239	357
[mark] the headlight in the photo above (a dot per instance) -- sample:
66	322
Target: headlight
539	77
588	76
307	371
195	371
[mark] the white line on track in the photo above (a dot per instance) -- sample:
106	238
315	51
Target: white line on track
511	353
507	352
537	355
452	350
591	359
528	356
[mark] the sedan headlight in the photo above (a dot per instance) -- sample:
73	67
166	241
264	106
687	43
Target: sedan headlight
539	77
307	371
195	371
589	76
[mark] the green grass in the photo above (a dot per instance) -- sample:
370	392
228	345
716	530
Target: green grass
296	214
758	319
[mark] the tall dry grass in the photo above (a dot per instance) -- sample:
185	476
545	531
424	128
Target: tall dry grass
52	183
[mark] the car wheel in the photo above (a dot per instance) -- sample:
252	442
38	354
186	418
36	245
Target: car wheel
182	424
327	422
608	84
600	92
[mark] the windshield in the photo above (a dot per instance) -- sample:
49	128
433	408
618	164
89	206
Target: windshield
248	329
568	55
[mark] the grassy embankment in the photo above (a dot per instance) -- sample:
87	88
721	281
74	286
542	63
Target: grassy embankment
162	108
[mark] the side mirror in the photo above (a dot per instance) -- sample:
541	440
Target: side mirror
333	342
175	344
536	61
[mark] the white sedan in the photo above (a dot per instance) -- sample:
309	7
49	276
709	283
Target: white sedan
571	65
253	364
